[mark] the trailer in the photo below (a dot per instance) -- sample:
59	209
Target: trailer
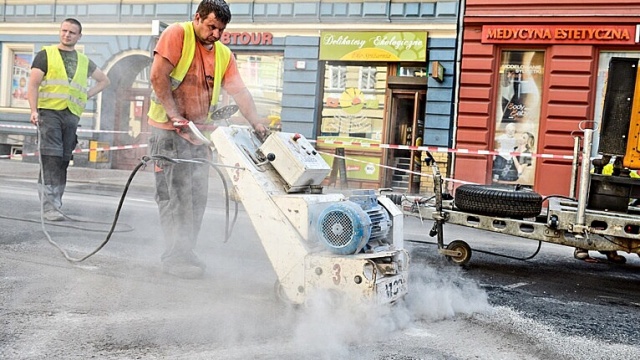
599	215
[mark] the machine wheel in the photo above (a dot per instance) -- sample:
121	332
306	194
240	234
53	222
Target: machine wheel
282	297
280	294
498	200
463	248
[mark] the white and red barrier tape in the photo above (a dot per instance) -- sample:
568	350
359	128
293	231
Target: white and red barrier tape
395	169
78	151
346	143
79	129
443	149
369	145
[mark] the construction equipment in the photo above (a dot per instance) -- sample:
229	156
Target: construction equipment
602	216
350	246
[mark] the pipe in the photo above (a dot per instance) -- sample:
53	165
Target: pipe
584	178
574	166
456	82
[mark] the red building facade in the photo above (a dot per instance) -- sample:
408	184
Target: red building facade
532	73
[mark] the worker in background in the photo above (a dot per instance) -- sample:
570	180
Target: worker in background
57	93
190	68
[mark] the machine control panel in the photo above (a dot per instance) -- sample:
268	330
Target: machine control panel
296	160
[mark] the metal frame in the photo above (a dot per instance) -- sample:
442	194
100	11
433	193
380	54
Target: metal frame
566	222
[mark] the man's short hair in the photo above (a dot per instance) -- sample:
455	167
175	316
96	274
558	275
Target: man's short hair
75	22
218	7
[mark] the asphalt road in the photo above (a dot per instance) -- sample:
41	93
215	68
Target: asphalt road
118	305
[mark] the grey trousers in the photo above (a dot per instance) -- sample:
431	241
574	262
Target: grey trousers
181	192
55	181
57	141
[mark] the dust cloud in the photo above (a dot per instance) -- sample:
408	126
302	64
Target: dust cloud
434	294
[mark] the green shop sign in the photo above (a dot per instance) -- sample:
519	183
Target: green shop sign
373	46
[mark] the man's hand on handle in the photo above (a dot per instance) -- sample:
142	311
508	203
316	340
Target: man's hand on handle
181	124
34	118
261	131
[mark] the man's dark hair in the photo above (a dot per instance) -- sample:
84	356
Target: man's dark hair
218	7
75	22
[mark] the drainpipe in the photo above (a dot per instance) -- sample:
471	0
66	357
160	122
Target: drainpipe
456	81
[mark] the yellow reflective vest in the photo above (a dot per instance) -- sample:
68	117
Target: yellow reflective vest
56	92
157	112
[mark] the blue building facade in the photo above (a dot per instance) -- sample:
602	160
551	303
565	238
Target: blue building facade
278	47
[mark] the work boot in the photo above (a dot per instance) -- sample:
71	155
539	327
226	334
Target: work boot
581	254
52	215
187	267
614	257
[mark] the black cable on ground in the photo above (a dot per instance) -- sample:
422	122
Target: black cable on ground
487	252
228	226
113	224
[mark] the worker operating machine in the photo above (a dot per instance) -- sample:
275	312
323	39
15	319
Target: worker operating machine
347	244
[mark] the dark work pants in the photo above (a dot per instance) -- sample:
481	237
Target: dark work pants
181	192
57	141
55	181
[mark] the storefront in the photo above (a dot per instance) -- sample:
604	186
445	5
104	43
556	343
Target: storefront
528	84
375	96
374	93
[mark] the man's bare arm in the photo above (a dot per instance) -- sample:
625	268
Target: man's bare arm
102	81
247	107
161	83
35	79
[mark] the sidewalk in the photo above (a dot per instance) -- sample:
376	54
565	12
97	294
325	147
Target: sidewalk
143	180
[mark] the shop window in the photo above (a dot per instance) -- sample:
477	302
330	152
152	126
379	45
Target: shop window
412	71
16	60
355	107
518	116
337	77
368	78
263	76
353	111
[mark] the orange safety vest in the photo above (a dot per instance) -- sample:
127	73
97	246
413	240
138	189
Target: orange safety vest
157	112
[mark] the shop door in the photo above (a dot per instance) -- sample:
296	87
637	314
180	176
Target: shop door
405	126
132	128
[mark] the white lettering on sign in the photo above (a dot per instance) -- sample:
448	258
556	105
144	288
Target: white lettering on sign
558	34
397	43
343	40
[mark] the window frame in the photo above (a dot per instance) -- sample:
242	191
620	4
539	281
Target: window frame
9	51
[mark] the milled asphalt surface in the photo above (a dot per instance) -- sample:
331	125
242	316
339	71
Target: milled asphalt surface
106	314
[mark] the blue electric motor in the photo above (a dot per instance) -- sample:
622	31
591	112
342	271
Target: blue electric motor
352	226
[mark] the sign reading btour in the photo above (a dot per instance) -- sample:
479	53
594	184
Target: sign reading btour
559	34
373	46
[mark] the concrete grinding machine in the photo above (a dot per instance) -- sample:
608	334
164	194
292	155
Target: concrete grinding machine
350	245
